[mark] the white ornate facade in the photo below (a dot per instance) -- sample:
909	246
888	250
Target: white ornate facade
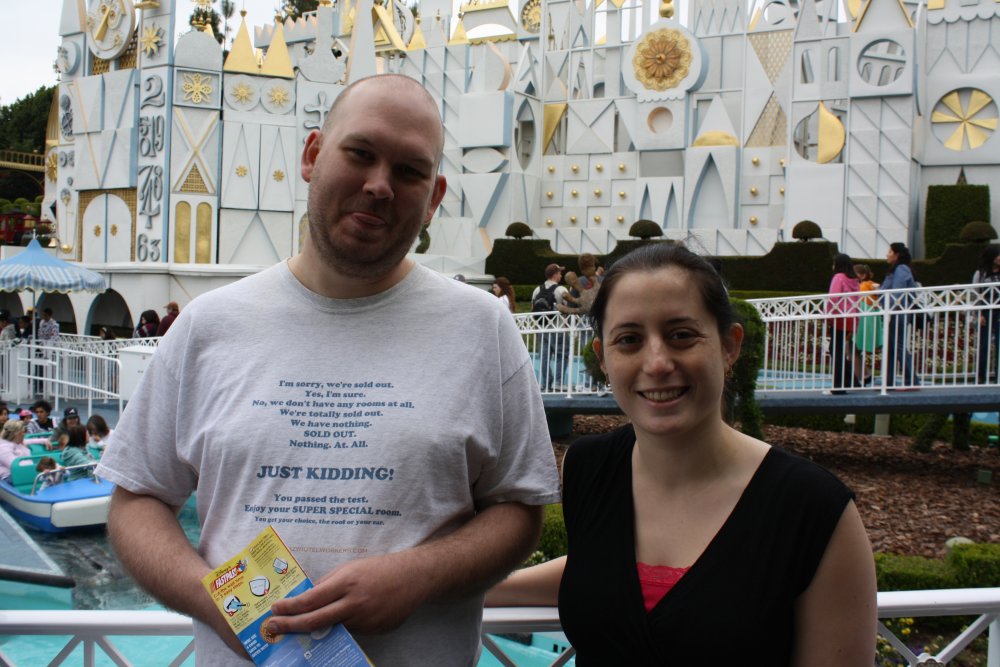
178	171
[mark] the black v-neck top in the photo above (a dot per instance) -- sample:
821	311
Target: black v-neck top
737	598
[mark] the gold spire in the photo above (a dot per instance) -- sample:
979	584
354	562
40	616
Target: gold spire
417	42
241	57
277	62
459	37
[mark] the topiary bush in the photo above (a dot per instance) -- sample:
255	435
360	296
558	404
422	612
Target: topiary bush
977	232
518	230
949	208
645	229
740	397
807	230
553	542
912	573
975	565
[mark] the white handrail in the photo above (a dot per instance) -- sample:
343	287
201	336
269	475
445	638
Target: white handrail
93	628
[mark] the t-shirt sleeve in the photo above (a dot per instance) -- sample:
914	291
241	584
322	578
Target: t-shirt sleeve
145	457
524	470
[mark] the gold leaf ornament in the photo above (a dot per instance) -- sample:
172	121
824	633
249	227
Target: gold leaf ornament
662	59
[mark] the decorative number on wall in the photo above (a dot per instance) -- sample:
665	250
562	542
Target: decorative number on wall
153	95
147	249
152	133
150	191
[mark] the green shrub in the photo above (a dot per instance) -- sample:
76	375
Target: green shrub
949	208
645	229
518	230
552	543
807	230
912	573
591	363
975	565
977	232
741	397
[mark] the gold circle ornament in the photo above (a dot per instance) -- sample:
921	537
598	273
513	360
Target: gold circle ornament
621	166
575	168
621	193
574	192
662	59
621	218
572	219
597	219
597	192
753	220
109	25
548	221
531	16
114	230
66	249
599	167
753	191
97	230
755	162
667	9
549	194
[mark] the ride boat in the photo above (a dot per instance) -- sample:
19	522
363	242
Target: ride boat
60	507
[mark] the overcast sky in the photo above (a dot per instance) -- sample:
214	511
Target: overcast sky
31	35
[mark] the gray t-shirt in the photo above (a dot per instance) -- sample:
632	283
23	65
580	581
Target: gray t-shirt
356	427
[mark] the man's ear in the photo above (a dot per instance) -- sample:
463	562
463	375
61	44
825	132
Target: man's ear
440	187
310	153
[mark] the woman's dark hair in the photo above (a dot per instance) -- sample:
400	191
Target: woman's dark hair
987	258
98	425
902	253
43	404
842	264
150	316
77	436
658	256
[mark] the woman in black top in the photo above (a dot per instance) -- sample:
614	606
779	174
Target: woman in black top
683	530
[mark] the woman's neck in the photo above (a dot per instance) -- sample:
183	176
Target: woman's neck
676	464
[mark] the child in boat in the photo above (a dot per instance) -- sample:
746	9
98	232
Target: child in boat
99	432
48	465
75	454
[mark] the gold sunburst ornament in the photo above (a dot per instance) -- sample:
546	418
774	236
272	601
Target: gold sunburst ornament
279	175
278	96
151	40
242	93
531	16
973	114
241	171
52	166
196	88
662	59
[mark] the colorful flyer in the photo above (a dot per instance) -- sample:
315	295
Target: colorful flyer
244	589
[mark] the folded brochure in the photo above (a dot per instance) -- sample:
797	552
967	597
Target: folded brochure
243	590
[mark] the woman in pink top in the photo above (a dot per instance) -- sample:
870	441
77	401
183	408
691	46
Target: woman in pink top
842	335
11	445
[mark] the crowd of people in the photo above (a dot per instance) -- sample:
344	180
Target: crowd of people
856	337
63	449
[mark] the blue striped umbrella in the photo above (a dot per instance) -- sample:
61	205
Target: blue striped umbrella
38	271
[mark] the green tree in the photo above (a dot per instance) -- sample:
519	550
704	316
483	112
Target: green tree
200	17
293	9
228	9
23	123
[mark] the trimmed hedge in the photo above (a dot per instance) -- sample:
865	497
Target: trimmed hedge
912	573
789	268
552	543
949	208
741	397
975	565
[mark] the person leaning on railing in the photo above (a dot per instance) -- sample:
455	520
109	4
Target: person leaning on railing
988	274
688	541
900	276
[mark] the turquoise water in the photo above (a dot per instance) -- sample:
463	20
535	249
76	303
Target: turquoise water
103	584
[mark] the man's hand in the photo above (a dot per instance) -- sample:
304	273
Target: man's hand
368	596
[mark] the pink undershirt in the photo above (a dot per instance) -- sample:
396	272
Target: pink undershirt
656	581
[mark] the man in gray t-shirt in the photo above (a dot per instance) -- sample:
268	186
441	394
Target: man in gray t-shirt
397	440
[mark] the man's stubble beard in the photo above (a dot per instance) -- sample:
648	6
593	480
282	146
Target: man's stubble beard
343	261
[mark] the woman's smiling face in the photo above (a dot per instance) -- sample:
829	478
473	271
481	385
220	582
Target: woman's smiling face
663	354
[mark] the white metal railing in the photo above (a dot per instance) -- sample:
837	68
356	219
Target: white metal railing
72	368
93	630
937	330
941	336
